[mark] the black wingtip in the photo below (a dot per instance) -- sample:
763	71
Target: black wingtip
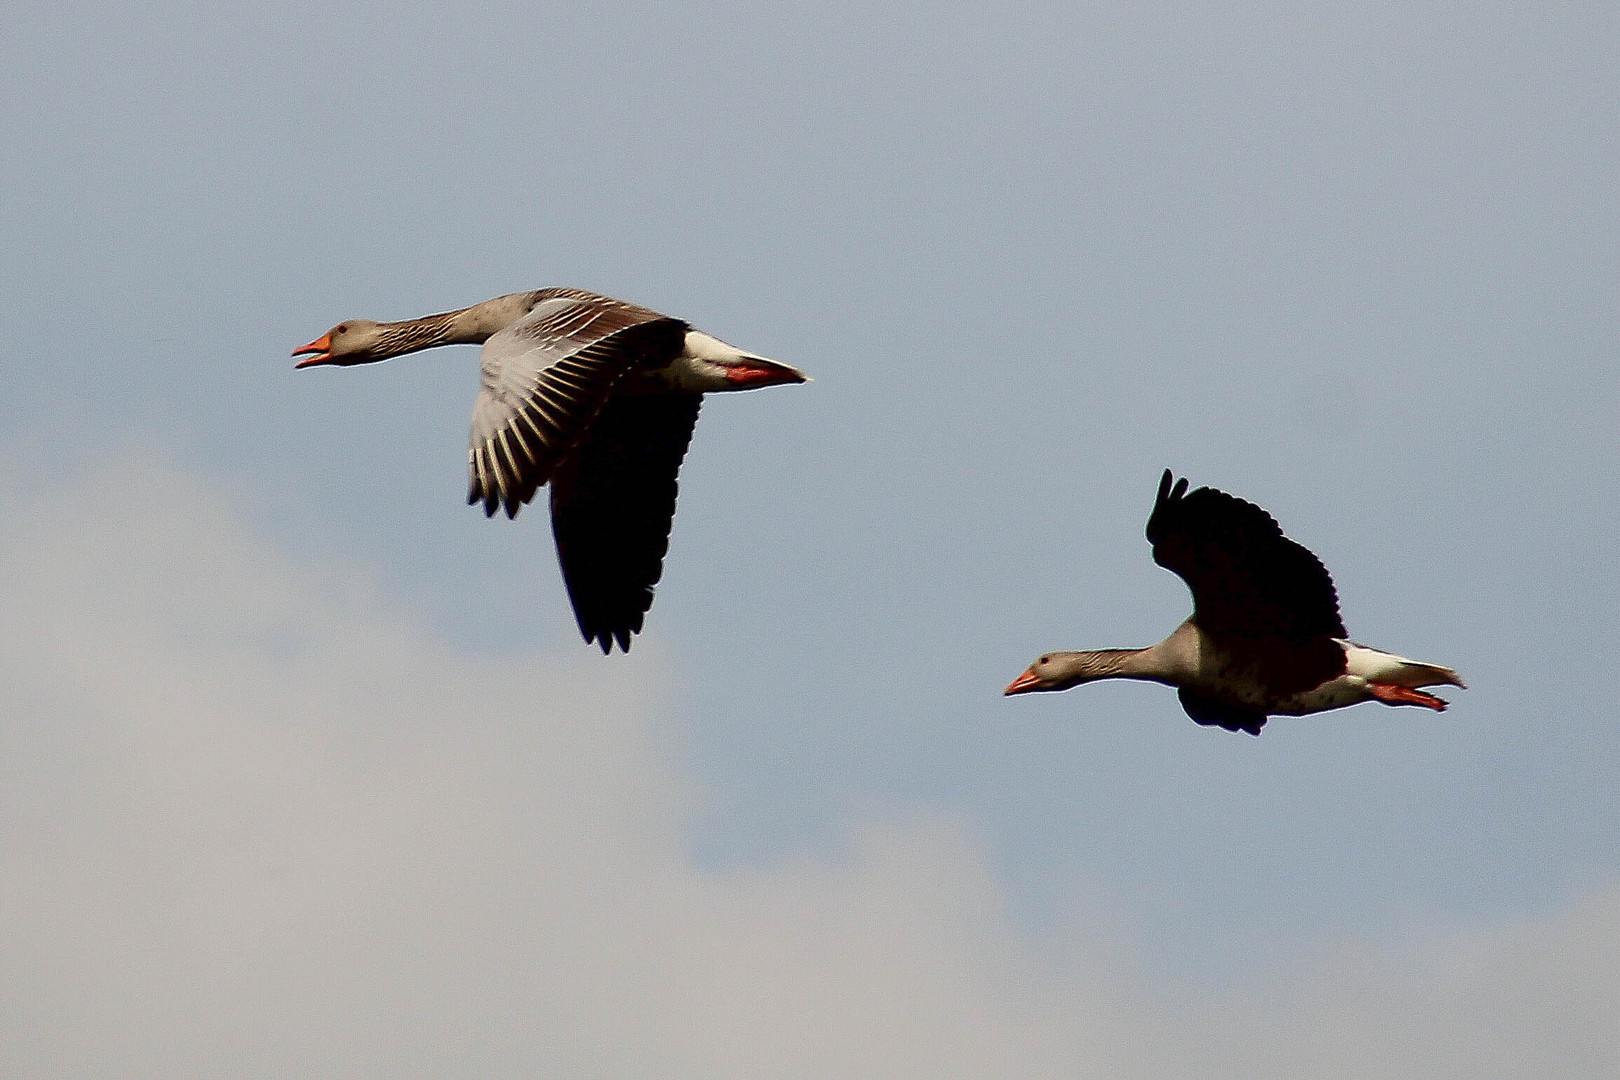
1171	489
606	639
476	494
1165	482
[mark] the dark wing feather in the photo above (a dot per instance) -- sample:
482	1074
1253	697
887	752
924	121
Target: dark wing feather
1268	601
1246	577
1212	713
545	378
612	505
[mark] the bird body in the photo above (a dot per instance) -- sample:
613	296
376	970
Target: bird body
596	398
1265	637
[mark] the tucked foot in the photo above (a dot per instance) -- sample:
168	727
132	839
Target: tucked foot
1401	695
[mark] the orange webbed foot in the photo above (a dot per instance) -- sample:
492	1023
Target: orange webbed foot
1401	695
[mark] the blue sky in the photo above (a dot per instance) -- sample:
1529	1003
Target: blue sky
1354	262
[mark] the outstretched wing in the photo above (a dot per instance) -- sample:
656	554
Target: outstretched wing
544	380
612	505
1268	601
1246	577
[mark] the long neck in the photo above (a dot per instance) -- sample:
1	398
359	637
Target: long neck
469	326
1121	664
1172	661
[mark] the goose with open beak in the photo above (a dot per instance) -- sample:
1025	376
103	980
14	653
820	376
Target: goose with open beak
596	398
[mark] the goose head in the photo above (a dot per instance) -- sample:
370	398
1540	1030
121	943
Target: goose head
1061	670
355	341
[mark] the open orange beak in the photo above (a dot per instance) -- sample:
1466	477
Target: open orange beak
321	347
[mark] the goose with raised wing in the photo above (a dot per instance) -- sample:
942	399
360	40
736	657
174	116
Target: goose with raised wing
595	397
1265	636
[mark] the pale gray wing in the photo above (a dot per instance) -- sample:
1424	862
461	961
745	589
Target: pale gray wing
544	380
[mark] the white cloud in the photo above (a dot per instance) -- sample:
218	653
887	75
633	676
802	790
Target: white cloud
254	822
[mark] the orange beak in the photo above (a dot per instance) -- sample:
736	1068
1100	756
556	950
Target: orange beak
321	347
1023	684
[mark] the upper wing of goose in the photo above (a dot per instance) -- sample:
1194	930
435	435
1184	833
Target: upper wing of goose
1248	580
544	380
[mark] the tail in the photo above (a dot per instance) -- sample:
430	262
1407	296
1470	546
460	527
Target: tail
1415	675
1382	667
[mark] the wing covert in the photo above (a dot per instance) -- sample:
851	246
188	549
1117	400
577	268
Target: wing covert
543	381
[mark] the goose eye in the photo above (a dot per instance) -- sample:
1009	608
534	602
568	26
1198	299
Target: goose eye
341	330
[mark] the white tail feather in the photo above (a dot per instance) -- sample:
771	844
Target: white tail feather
1383	667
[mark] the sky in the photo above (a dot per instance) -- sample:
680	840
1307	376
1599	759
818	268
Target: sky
304	770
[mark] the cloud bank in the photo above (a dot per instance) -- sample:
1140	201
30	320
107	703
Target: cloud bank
256	822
